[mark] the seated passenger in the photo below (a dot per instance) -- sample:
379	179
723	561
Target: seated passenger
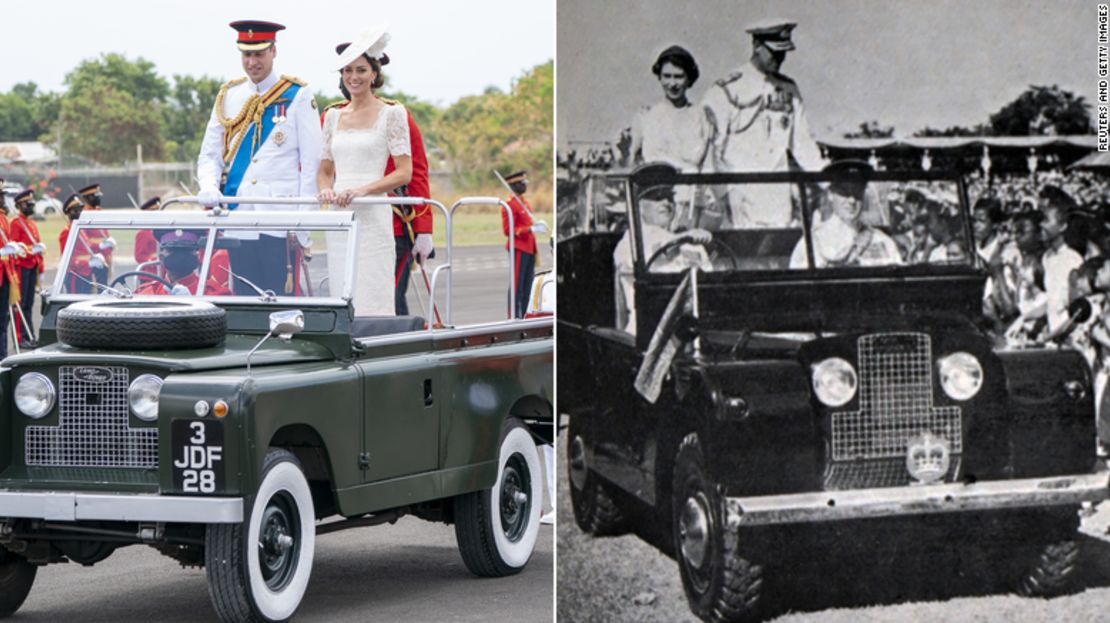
841	239
179	257
656	214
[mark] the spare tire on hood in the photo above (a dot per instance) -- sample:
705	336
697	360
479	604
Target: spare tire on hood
151	323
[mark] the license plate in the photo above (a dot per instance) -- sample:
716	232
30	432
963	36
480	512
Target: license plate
198	456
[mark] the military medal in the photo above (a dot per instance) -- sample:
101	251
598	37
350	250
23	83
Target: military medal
279	137
279	118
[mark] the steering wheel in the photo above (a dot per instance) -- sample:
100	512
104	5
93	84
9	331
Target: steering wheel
140	273
713	244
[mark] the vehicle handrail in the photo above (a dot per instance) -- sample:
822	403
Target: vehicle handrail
470	201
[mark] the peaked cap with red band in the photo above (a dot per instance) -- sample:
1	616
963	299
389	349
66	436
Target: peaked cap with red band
255	35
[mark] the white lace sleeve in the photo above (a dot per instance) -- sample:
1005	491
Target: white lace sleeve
330	119
397	131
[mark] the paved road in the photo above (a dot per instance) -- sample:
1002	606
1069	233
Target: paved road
410	571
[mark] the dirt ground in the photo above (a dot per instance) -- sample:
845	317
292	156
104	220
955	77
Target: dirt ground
624	579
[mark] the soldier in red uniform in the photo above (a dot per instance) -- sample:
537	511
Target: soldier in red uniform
100	240
146	247
25	233
412	226
9	288
79	277
524	240
178	252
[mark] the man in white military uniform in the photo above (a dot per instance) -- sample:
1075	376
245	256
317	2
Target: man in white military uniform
755	121
262	140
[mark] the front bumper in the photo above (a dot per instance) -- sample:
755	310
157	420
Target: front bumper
917	500
69	506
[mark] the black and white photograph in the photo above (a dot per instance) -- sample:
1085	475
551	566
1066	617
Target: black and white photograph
833	334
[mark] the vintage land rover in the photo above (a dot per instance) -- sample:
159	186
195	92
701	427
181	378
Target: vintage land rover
219	422
746	396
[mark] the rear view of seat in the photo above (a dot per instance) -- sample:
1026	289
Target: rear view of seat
373	326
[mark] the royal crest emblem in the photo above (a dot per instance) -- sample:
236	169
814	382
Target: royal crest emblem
927	458
279	137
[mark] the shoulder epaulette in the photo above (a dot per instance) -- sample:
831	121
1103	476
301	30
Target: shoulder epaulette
733	77
295	80
388	102
233	83
339	104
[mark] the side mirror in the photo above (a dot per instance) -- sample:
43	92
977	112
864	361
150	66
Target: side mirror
285	324
282	324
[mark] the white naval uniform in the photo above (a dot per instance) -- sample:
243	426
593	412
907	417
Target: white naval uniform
285	170
752	120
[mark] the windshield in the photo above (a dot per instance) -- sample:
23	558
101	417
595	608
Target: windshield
762	226
179	259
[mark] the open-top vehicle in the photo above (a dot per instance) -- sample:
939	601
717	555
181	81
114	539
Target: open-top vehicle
178	404
748	397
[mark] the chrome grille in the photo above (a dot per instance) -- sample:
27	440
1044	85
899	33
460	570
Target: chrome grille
93	429
896	401
876	473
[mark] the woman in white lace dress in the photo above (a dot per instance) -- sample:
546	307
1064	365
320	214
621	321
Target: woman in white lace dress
358	141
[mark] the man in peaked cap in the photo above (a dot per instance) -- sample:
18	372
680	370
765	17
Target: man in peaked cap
79	274
670	130
524	240
100	239
25	232
179	254
262	140
755	121
843	239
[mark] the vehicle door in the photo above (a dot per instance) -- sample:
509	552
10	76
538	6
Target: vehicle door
400	415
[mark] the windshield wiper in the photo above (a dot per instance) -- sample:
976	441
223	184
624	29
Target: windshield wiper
267	296
119	294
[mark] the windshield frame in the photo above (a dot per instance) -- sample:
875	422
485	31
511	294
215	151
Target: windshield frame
211	221
655	176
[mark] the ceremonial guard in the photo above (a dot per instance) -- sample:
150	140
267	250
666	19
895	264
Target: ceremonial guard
524	240
262	140
178	252
100	240
9	277
146	246
31	264
79	275
412	225
755	121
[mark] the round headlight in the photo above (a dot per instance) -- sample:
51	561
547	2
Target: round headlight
961	376
834	381
143	396
34	395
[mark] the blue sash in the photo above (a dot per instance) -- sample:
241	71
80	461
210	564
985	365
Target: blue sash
243	156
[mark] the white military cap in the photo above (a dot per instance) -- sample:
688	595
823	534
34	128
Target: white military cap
774	33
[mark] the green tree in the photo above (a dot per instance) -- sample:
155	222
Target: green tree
186	114
137	78
25	113
104	125
17	120
501	131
